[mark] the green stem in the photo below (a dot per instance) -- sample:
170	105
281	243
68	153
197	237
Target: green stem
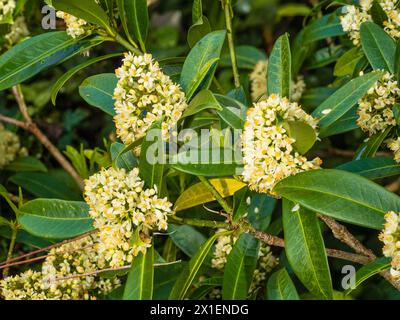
11	249
228	20
216	195
198	223
127	45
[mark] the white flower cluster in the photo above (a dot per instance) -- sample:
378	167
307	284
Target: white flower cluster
394	145
10	147
76	27
355	15
63	275
266	260
6	8
390	236
268	152
258	80
375	108
144	94
125	213
19	30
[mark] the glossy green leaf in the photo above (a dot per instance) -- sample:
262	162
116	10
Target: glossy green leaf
126	161
199	194
186	238
26	164
342	195
369	147
139	285
280	68
186	278
135	20
239	268
55	219
98	91
379	16
305	249
303	134
200	65
281	287
325	27
260	209
378	46
340	102
203	100
233	112
347	63
71	72
373	168
247	57
33	55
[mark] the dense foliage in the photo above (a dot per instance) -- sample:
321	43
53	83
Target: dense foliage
232	149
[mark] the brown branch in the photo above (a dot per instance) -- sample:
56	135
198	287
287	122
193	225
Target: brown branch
30	125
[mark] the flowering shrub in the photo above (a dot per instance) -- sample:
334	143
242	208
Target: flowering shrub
241	151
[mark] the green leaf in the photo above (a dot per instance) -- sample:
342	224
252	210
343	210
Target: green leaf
233	112
247	57
369	270
347	122
373	168
87	10
378	46
199	194
71	72
199	67
239	268
281	287
203	100
126	161
185	280
260	210
33	55
342	195
139	285
347	63
325	27
397	61
135	20
152	157
305	249
55	219
303	133
379	16
98	91
369	148
47	185
26	164
340	102
280	68
186	238
198	30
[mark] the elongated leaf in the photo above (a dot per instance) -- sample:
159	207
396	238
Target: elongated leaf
397	61
186	238
347	63
199	194
71	72
203	100
378	46
369	270
200	65
55	219
233	112
247	57
152	158
322	28
139	285
281	287
303	134
370	147
373	168
98	91
341	195
346	123
239	268
87	10
280	68
305	249
340	102
33	55
126	161
26	164
186	278
135	20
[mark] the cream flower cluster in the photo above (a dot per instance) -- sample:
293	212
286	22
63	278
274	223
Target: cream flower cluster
390	236
266	260
6	8
125	213
394	145
144	94
258	80
10	147
353	18
268	152
59	278
19	30
76	27
375	108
